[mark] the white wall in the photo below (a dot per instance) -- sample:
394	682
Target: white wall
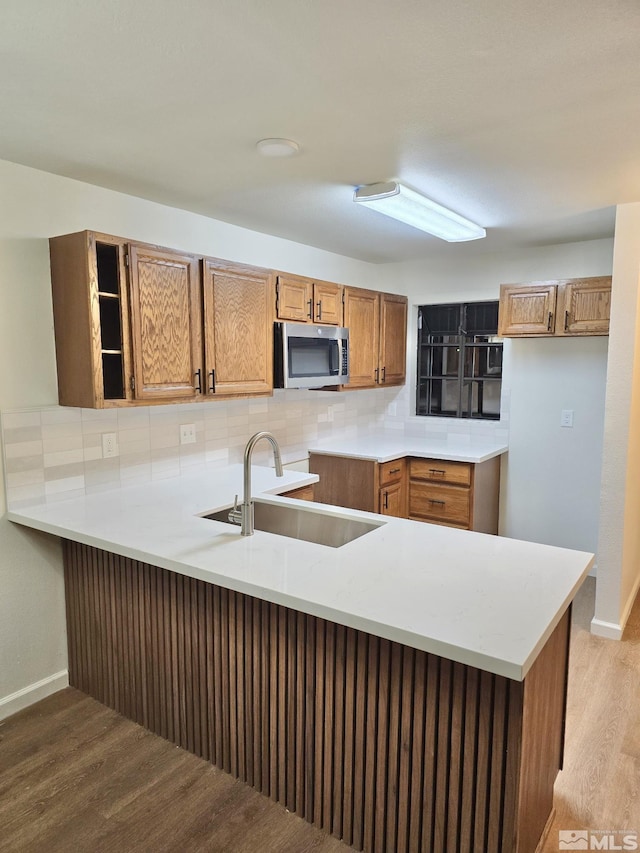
541	377
619	549
36	206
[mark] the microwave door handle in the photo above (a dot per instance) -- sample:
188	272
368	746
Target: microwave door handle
339	365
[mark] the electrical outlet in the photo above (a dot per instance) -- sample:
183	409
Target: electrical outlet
566	418
187	433
109	445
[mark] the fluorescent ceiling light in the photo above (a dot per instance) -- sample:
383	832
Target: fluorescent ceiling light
278	147
399	202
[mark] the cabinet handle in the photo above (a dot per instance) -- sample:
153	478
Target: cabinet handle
310	304
198	385
377	374
384	374
437	471
566	321
549	321
319	304
386	500
212	377
433	501
394	471
132	383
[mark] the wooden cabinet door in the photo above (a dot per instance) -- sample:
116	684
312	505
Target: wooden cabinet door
584	306
362	318
238	329
393	339
391	500
166	324
294	299
527	310
327	303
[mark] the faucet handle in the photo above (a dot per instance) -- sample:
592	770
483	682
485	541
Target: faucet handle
235	515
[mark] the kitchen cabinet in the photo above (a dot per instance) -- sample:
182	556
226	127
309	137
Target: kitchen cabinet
304	493
238	329
166	324
457	494
392	492
560	308
361	483
377	324
302	300
138	324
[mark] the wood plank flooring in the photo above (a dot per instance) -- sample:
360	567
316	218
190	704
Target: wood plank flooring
599	787
76	776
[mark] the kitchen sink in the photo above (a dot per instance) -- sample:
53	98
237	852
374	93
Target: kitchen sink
310	525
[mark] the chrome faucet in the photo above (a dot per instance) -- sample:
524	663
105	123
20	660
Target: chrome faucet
243	514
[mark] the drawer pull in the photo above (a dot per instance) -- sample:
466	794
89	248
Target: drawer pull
394	471
437	471
386	500
434	501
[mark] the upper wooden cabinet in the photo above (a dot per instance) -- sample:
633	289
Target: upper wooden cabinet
238	311
377	324
166	324
130	327
301	300
566	307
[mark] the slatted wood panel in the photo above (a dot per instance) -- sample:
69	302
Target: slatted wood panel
384	746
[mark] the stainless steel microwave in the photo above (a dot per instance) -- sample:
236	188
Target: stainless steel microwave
307	356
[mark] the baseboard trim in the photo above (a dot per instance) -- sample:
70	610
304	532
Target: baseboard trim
615	630
609	630
33	693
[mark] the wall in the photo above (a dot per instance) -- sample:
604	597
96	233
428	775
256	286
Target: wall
619	550
544	477
35	206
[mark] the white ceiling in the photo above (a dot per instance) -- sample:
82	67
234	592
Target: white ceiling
522	116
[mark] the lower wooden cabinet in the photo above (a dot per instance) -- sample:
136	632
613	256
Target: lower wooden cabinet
304	493
456	494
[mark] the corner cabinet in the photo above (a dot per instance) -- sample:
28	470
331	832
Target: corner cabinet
454	494
561	308
377	324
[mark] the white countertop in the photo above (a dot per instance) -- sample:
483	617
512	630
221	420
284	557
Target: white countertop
481	600
383	447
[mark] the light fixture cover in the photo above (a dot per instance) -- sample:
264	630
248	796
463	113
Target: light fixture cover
277	147
399	202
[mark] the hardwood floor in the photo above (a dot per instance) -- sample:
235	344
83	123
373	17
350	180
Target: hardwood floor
76	776
599	787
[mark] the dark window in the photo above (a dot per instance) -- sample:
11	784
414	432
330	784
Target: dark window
459	361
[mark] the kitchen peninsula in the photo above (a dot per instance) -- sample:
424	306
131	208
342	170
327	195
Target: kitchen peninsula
405	691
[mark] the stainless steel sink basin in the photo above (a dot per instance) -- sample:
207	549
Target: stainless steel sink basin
302	523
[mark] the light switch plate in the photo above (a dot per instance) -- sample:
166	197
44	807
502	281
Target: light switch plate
109	445
187	433
566	418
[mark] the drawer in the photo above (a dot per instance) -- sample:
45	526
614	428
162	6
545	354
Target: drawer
438	471
392	472
445	503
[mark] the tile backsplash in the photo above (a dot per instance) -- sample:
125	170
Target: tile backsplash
55	453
